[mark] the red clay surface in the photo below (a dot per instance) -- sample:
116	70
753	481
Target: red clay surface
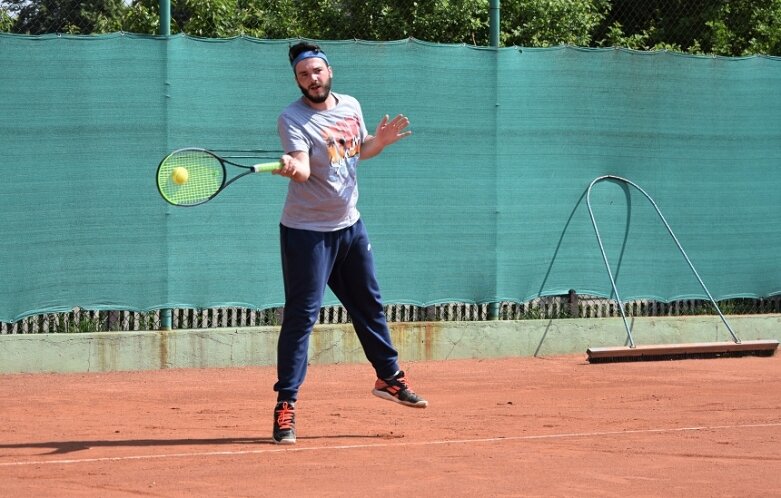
510	427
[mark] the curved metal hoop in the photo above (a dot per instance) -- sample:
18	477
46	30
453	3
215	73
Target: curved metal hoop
677	243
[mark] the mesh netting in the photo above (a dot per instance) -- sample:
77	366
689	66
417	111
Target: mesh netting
483	203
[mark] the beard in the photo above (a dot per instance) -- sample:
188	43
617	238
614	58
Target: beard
323	91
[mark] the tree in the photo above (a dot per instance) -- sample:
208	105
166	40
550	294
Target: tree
142	17
721	27
6	21
545	23
62	16
672	24
444	21
724	27
743	27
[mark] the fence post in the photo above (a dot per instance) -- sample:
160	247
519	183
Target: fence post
572	299
165	30
494	30
493	22
165	17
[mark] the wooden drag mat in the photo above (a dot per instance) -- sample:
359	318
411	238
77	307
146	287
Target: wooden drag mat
511	427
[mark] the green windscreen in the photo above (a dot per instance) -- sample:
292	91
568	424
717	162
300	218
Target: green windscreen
486	201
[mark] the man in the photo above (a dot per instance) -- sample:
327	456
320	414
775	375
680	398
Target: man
323	240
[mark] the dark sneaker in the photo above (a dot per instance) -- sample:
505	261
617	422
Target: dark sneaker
397	390
285	423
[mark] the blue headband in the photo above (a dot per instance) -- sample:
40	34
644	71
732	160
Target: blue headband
308	55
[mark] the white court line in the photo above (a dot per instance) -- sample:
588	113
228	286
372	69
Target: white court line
386	445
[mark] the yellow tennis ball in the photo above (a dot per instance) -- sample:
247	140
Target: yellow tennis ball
180	175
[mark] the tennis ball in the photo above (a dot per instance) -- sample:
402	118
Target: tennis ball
180	175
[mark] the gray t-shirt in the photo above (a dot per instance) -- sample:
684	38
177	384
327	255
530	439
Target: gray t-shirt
327	200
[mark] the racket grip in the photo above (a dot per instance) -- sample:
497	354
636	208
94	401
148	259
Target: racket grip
266	167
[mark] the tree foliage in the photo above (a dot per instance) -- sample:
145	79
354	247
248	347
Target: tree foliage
545	23
723	27
743	27
6	21
62	16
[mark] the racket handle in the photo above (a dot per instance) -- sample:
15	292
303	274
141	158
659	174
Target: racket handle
266	167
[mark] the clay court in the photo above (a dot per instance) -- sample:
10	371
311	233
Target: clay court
511	427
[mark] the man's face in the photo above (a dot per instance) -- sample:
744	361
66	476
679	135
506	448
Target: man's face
313	77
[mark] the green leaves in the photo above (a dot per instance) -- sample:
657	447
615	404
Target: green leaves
721	27
545	23
745	27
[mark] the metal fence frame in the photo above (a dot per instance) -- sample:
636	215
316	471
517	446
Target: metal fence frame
550	308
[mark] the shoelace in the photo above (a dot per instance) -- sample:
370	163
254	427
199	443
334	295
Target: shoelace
285	416
405	386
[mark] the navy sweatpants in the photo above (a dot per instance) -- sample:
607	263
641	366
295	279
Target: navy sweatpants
343	261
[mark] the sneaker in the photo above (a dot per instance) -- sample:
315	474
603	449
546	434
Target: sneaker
398	391
285	423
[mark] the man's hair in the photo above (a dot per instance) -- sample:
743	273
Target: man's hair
301	47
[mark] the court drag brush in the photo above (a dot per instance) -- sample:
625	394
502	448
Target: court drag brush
632	352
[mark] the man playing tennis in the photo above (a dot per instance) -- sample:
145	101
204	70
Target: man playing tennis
323	240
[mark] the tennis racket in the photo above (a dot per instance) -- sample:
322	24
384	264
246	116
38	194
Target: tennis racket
191	176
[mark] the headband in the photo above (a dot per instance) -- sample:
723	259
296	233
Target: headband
308	55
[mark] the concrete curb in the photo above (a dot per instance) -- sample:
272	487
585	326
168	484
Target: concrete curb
416	341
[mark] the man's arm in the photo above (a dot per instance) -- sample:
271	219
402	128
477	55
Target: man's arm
387	132
294	166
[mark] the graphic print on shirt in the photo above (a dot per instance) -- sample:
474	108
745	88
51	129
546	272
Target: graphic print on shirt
343	141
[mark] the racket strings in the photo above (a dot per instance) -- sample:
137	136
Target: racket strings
205	176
